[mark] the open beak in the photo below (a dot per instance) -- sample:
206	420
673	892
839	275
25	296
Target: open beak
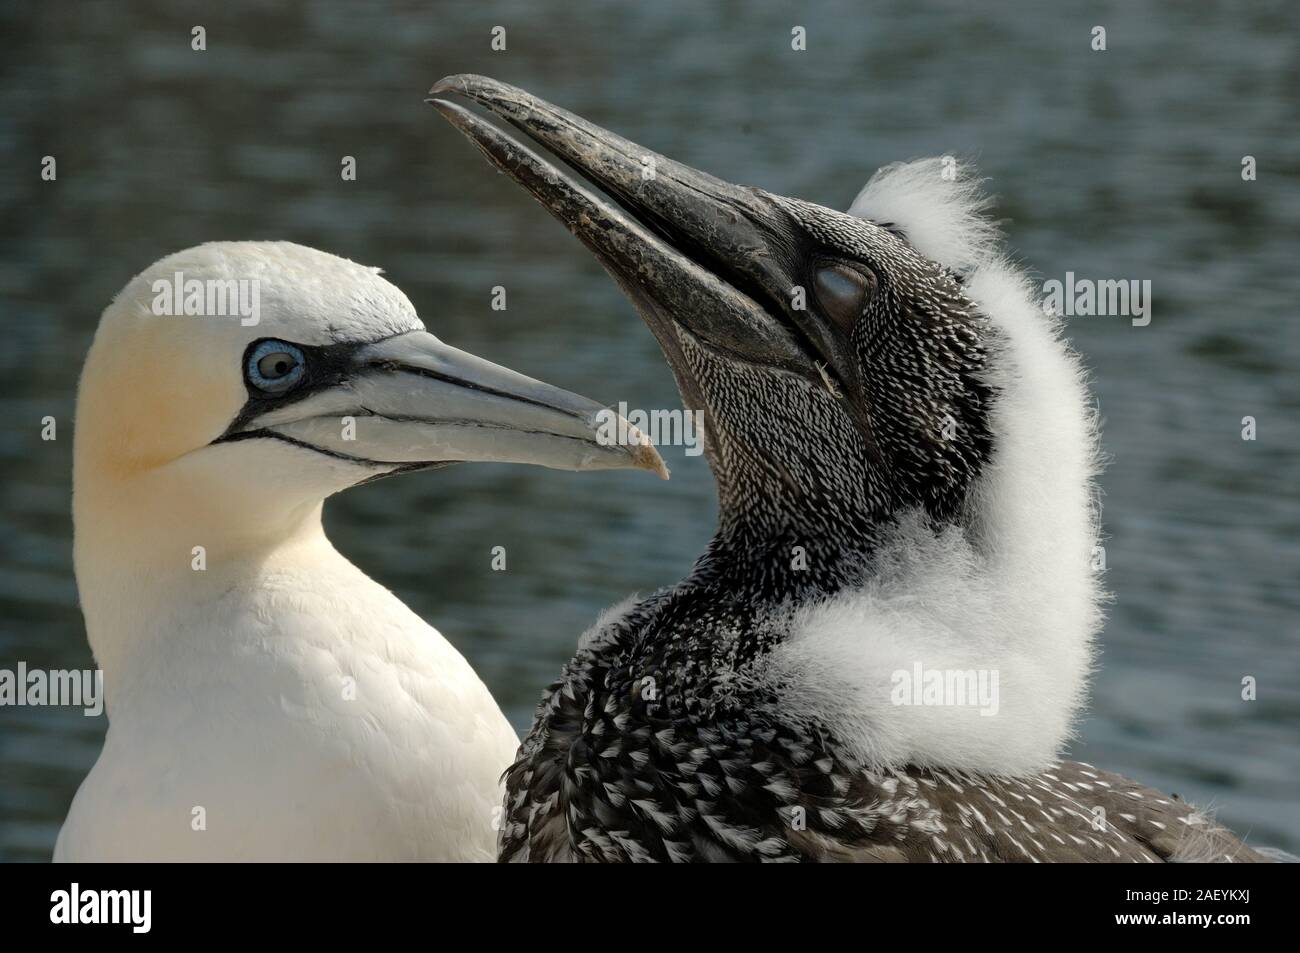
696	255
411	401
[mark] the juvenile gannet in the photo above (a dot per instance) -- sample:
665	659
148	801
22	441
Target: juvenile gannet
904	450
267	700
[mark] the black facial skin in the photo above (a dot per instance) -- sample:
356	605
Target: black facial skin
326	366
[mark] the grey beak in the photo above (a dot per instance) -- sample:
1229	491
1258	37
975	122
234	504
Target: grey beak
692	252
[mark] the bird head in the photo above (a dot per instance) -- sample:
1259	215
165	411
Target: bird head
844	374
240	383
881	388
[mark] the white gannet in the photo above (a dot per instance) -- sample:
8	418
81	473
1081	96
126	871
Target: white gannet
267	700
885	646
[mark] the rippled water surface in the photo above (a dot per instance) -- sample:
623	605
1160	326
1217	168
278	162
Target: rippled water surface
1116	164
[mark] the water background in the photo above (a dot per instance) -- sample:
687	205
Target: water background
1116	164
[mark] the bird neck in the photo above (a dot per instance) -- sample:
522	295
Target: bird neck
793	528
767	553
154	551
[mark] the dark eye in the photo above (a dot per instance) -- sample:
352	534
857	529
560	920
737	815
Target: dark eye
843	293
275	366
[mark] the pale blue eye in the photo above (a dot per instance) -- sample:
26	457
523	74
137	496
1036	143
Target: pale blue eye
275	366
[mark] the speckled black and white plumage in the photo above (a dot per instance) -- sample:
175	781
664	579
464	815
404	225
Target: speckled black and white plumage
649	748
646	750
904	473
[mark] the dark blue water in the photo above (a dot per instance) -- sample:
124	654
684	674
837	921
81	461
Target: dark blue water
1117	164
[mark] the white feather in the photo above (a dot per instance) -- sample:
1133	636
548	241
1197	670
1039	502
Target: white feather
939	204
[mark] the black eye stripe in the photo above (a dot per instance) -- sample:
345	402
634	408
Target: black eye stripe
325	366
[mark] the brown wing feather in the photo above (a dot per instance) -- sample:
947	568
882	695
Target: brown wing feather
1071	812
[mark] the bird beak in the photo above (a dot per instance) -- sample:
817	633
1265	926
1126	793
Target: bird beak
693	253
411	401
